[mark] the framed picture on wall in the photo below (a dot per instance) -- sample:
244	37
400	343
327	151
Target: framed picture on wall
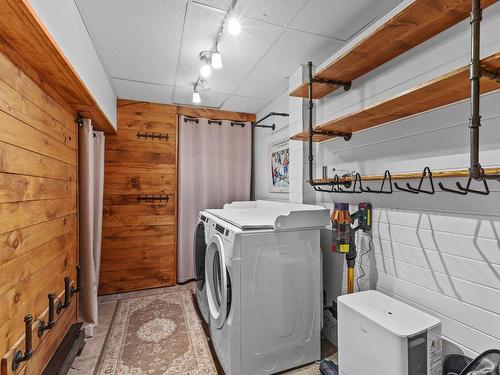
279	160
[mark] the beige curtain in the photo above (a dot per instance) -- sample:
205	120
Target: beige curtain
91	185
214	169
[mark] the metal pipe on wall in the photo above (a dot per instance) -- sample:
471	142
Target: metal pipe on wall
475	169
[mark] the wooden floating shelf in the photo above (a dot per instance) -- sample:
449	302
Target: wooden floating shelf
408	176
419	21
444	90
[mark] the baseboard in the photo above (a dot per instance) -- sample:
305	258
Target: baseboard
70	347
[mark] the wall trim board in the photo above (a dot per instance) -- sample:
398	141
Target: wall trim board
23	30
215	114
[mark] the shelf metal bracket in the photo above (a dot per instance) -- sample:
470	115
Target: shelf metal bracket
495	76
344	84
329	133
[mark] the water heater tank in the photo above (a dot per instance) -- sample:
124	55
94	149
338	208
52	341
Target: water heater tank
379	335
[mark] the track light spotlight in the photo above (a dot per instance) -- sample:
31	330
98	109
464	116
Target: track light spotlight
205	69
216	60
196	97
234	26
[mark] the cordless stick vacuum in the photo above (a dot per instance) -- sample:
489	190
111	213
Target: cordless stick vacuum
344	239
344	243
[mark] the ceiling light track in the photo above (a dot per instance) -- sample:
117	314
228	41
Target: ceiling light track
212	58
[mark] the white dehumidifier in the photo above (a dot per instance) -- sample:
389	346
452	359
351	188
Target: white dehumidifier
382	336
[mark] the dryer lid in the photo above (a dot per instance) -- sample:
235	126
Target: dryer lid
276	217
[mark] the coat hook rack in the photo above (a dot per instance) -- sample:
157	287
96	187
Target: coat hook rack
217	122
28	344
159	136
242	124
152	198
67	296
192	119
409	189
42	327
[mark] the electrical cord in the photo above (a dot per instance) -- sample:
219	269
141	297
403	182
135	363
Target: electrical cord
360	265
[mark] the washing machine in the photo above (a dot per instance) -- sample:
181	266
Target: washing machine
263	283
202	235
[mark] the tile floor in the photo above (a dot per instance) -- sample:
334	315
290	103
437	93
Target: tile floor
86	362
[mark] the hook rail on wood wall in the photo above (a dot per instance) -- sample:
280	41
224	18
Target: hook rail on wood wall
28	344
159	136
152	198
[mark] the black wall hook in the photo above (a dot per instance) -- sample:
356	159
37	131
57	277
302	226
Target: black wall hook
28	344
387	177
467	189
426	173
67	296
42	327
354	183
78	282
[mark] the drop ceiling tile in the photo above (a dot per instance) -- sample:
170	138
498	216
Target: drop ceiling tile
136	40
208	98
200	29
270	77
339	18
244	104
142	91
277	12
219	4
240	54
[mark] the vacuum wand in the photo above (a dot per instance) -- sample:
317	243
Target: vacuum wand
345	239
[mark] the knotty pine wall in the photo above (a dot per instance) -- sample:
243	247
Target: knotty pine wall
139	239
38	211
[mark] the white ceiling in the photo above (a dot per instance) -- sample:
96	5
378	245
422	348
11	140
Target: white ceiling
150	48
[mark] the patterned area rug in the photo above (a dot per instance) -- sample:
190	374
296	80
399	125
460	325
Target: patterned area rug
156	335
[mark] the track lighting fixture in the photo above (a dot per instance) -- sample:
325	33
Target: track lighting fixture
234	26
212	58
196	97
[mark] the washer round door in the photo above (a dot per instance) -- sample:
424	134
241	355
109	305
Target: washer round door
199	249
216	281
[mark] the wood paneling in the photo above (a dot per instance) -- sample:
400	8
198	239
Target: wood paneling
20	161
139	238
418	22
21	28
444	90
38	206
21	241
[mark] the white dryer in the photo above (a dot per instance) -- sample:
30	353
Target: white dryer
263	280
202	235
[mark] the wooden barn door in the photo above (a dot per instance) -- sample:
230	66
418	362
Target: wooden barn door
140	182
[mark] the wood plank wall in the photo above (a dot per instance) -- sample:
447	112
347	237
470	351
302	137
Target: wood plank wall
38	212
139	239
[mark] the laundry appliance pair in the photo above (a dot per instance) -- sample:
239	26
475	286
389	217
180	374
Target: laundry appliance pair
259	284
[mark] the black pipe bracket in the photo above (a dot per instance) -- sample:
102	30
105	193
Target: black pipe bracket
330	133
344	84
